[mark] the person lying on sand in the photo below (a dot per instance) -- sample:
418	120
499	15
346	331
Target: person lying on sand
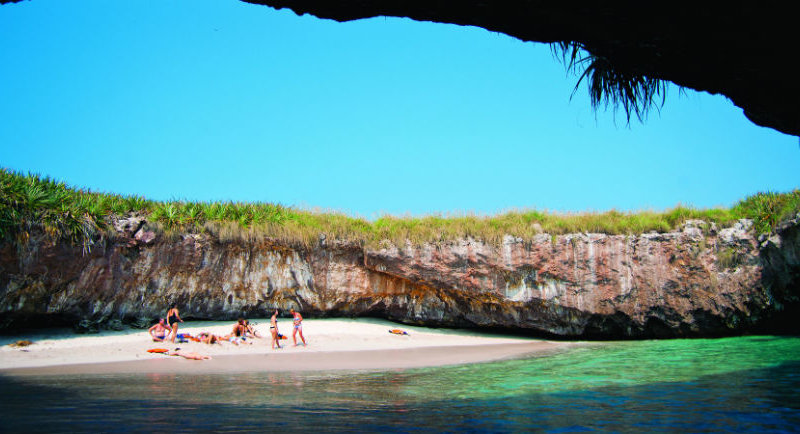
159	331
208	338
188	355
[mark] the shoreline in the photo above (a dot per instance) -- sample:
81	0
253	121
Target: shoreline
334	344
356	360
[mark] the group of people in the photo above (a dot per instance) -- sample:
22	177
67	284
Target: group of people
167	330
242	331
297	327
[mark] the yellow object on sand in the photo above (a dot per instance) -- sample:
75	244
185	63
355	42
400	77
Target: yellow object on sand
157	350
20	344
398	332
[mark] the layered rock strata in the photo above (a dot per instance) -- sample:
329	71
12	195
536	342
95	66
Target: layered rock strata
698	281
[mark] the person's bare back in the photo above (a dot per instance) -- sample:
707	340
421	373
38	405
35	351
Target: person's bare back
188	355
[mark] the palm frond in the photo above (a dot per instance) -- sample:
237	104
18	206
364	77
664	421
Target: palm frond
610	86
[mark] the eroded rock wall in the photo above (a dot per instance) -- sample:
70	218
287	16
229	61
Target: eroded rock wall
694	282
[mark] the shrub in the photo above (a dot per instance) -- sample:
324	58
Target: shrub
30	203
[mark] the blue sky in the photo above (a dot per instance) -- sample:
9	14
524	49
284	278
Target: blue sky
222	100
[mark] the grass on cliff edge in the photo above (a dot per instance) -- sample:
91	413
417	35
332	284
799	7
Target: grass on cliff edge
32	204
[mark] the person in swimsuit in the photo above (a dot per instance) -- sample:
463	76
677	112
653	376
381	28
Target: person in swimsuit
159	331
273	329
297	321
208	338
237	334
188	355
172	321
250	331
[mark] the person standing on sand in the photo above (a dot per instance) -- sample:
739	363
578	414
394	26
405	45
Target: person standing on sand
273	329
159	331
172	321
297	321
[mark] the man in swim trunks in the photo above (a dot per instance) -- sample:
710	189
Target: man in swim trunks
297	321
159	331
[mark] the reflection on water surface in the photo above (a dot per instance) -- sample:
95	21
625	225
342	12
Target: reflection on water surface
690	385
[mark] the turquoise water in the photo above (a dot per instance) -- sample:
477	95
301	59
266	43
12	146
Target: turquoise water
734	384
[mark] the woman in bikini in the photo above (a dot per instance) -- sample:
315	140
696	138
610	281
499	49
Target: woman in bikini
172	321
273	329
297	321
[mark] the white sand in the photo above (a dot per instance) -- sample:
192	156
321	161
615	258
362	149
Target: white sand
331	345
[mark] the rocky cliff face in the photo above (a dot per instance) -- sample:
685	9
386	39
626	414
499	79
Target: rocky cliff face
694	282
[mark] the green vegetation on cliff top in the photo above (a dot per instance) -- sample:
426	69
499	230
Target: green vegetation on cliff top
31	204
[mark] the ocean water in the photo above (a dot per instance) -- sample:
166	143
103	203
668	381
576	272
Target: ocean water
744	384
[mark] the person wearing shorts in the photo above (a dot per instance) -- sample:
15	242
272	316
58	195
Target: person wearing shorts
297	321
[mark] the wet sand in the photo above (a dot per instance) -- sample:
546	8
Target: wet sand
312	361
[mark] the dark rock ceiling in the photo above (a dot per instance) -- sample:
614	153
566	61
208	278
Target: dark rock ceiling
739	49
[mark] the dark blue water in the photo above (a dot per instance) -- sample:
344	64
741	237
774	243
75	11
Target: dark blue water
749	384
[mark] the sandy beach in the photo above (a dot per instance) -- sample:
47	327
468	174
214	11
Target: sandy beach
333	344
